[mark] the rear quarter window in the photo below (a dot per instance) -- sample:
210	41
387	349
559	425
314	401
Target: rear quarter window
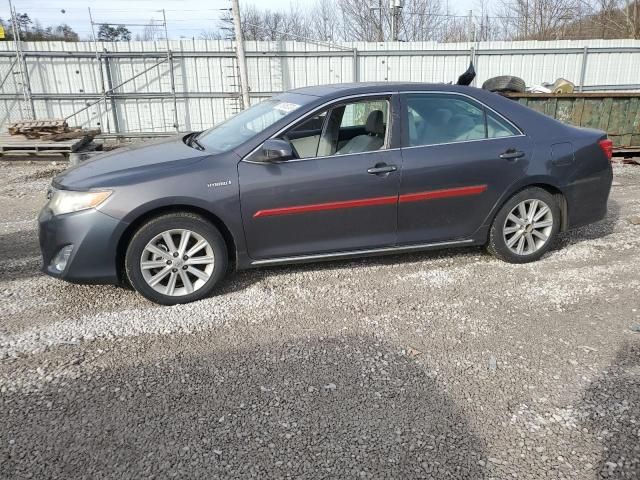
497	127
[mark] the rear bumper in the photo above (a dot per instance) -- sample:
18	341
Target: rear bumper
94	237
587	199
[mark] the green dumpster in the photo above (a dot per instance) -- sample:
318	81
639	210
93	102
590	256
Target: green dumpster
617	113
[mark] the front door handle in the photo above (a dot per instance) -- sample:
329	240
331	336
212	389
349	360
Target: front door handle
382	168
512	154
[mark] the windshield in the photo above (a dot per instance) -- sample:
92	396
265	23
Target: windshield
245	125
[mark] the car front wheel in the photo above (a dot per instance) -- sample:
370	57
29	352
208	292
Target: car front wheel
176	258
525	227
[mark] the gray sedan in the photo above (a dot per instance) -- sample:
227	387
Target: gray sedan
322	173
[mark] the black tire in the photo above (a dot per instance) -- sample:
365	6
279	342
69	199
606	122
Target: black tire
505	83
157	225
497	245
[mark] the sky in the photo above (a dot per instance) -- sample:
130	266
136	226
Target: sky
185	18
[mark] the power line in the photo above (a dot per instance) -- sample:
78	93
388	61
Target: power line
125	10
466	17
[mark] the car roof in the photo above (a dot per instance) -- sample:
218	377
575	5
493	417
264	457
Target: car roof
336	89
531	122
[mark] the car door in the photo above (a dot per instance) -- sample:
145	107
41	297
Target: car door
459	157
338	194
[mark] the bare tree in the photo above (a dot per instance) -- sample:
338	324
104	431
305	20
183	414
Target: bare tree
211	35
538	19
327	24
631	12
152	31
454	29
271	25
422	20
605	19
361	22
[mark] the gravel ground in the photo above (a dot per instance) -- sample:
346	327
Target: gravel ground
435	365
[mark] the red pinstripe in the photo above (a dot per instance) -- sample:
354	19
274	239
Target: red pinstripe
369	202
444	193
317	207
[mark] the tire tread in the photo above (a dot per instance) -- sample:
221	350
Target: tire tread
504	83
495	245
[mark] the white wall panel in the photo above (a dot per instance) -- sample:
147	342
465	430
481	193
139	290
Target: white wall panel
207	85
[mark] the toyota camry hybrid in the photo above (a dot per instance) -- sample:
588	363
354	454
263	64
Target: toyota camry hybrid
321	173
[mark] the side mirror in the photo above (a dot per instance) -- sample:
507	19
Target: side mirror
275	149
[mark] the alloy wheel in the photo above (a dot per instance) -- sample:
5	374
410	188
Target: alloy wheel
528	226
177	262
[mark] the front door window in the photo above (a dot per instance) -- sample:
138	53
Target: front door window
346	128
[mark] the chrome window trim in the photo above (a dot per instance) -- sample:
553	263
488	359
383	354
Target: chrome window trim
294	160
461	141
315	110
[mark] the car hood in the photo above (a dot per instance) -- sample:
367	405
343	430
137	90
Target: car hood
129	164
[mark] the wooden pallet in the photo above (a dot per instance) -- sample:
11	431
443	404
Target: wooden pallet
35	128
20	145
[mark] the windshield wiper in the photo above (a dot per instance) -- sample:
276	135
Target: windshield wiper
193	140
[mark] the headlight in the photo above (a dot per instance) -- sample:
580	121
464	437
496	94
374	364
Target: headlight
67	201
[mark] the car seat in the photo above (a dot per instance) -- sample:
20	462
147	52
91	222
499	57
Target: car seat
374	138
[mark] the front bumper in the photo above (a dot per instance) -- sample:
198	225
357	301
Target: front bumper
94	237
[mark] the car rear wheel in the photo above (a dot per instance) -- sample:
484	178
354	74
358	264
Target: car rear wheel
176	258
525	227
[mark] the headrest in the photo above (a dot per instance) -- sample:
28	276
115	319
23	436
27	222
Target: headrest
441	116
460	124
375	123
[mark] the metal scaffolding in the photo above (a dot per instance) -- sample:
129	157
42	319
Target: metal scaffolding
27	108
109	91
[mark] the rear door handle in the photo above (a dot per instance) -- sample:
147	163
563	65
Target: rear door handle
383	168
512	154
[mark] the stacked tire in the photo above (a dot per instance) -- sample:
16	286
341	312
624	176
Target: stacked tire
505	84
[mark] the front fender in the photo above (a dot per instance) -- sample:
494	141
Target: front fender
177	202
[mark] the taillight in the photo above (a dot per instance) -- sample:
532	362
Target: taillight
607	147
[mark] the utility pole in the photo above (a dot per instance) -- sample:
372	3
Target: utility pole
176	125
242	59
396	7
472	29
380	26
526	20
101	75
381	31
634	22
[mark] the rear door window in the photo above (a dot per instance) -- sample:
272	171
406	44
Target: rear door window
434	119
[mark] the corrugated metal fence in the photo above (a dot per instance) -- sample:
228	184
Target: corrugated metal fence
143	96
